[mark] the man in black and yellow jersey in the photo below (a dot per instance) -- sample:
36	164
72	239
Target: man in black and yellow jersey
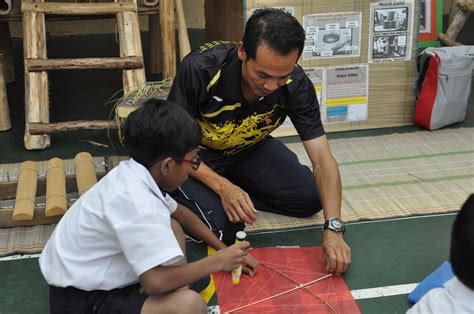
239	93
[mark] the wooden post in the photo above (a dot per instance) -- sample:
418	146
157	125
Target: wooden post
26	191
168	39
6	53
4	110
183	38
36	83
85	172
56	202
130	46
154	40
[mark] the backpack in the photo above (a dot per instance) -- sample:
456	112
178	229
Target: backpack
443	86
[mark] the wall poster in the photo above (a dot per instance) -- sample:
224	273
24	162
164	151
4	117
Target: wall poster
332	35
391	31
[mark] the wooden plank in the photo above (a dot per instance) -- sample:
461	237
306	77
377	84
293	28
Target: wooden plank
47	128
6	52
130	45
35	65
4	109
67	8
168	39
36	83
224	20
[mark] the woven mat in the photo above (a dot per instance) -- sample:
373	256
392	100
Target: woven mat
394	176
383	177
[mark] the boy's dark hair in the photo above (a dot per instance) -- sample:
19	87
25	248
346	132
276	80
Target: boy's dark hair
160	129
278	29
462	244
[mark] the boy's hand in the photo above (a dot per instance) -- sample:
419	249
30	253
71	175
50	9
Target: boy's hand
250	265
231	257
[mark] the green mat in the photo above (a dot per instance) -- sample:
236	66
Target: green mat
394	176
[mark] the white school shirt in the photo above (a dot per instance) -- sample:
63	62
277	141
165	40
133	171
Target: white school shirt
454	298
116	231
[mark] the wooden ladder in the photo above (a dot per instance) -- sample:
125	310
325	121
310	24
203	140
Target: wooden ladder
37	64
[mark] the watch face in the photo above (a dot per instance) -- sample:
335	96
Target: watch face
336	223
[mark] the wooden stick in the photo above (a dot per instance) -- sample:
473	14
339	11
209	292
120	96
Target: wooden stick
97	8
26	191
448	41
466	5
279	294
36	83
35	65
56	202
46	128
456	25
130	46
183	38
85	172
4	110
168	39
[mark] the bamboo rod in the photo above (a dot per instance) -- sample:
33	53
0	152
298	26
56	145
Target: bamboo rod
130	45
168	38
35	65
4	110
36	83
85	172
183	38
60	8
47	128
26	191
56	202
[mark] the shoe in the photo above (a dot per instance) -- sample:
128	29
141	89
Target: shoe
201	284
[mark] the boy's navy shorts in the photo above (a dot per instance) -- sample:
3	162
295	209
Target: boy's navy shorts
71	300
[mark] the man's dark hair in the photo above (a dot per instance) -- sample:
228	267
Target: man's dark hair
277	29
160	129
462	244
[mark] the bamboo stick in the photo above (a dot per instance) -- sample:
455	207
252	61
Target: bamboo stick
130	45
56	202
183	38
35	65
60	8
26	191
85	172
47	128
36	83
6	52
4	110
168	38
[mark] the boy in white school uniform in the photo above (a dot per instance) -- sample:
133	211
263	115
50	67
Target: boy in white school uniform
457	295
120	247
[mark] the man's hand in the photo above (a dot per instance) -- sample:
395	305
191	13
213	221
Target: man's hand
237	204
337	252
250	265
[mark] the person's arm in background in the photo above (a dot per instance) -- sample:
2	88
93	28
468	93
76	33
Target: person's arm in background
195	227
328	181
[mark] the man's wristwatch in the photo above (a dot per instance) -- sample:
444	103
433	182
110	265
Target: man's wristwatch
335	224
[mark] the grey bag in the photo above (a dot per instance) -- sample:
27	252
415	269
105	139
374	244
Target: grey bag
444	85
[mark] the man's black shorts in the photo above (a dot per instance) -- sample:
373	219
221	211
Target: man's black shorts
71	300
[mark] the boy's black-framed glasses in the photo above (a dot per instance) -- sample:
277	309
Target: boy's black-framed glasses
195	162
